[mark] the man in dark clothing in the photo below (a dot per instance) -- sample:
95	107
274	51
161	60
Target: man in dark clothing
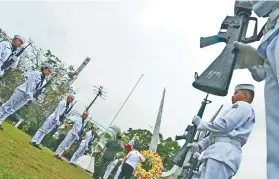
111	148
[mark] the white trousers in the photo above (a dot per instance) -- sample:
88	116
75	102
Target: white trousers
80	151
47	127
118	172
271	94
65	144
109	169
15	102
214	169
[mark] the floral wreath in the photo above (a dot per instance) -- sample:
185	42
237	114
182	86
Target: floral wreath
155	171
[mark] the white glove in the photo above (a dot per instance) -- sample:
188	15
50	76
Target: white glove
15	58
197	154
258	73
196	120
15	62
248	56
1	72
194	147
58	123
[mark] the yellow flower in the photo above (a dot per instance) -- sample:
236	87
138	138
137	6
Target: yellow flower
156	169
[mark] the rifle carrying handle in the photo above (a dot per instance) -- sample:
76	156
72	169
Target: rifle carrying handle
254	37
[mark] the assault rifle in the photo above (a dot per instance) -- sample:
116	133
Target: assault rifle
39	91
193	164
10	60
217	76
63	116
82	131
190	136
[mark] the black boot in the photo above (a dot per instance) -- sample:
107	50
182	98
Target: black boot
38	146
1	127
73	164
32	143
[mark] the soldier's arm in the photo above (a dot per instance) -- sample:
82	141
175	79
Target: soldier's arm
3	46
258	74
58	111
237	114
30	82
204	143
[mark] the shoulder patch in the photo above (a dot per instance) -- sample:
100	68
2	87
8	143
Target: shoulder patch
235	106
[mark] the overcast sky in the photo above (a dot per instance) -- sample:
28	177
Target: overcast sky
127	38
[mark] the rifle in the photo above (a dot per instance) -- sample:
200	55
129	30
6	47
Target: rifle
190	136
39	91
91	141
82	130
217	76
193	164
63	116
10	60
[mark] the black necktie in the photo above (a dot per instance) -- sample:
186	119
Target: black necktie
41	82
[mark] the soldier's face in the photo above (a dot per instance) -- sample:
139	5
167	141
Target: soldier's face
84	116
239	96
17	42
70	100
47	72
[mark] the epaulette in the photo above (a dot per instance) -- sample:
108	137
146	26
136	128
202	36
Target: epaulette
235	106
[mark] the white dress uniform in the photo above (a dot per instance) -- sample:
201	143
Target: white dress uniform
7	51
51	121
222	149
82	147
269	52
110	168
22	94
118	170
70	138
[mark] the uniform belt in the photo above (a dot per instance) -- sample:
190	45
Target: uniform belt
235	142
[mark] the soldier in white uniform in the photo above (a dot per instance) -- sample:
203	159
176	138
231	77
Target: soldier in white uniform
222	149
84	145
72	136
119	169
24	92
263	63
111	166
52	121
8	51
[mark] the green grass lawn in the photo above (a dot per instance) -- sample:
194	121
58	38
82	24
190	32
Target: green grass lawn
20	160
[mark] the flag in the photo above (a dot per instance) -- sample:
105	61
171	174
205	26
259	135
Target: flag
130	145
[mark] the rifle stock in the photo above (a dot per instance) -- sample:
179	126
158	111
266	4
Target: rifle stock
217	76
